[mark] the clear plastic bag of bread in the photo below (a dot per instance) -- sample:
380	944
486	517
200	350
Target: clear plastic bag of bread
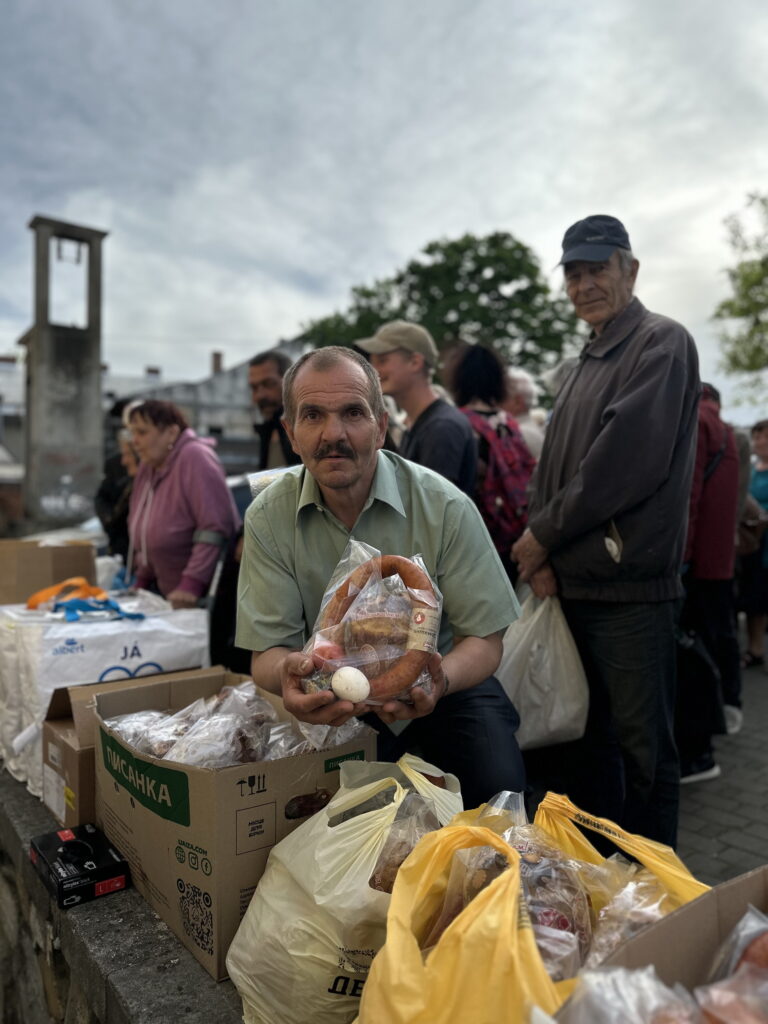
471	871
380	616
220	740
747	943
414	818
555	895
165	732
617	995
133	727
740	999
641	901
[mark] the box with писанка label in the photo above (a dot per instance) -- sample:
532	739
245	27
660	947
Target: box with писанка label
69	735
198	839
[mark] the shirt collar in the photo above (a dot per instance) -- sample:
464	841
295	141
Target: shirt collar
617	330
384	488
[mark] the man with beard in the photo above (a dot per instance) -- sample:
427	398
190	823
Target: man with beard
265	379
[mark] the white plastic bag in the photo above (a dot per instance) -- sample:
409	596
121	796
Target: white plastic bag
542	674
314	924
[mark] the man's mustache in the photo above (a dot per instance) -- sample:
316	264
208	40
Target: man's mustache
334	449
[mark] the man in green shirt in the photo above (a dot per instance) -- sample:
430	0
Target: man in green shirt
298	528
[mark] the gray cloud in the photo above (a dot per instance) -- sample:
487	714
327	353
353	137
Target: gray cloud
252	162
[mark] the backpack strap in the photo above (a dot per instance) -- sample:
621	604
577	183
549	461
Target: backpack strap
480	424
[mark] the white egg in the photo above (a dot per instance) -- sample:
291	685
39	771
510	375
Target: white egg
349	683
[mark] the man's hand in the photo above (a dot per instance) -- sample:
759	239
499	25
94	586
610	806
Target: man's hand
317	708
544	582
182	599
529	555
419	702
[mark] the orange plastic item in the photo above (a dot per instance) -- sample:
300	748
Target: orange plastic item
75	586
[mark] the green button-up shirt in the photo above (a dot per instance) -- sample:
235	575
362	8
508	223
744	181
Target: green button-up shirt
293	543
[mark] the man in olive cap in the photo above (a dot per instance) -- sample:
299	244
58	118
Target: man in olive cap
607	524
437	435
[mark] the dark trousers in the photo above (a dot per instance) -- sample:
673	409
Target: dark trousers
471	734
626	766
710	610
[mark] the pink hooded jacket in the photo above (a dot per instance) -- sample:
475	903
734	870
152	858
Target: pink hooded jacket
169	505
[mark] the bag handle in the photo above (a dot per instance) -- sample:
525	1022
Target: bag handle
74	586
559	817
75	607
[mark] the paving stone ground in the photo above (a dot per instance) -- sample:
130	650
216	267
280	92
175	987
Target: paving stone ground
724	822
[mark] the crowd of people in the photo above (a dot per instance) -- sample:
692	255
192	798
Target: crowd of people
625	502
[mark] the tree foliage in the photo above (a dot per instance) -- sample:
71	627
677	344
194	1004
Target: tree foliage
745	345
487	290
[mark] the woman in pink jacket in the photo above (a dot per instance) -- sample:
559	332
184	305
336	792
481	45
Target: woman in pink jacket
182	515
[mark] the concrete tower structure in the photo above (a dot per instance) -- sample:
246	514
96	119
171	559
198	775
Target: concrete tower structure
64	443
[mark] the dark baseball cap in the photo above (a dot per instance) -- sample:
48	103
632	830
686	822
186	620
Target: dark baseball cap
401	334
594	239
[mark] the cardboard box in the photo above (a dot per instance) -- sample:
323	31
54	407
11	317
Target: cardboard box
682	946
198	839
69	735
27	566
78	865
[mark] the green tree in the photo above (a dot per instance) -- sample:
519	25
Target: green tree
484	290
745	346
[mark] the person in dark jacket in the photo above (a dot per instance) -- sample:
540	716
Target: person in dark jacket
265	379
606	528
708	611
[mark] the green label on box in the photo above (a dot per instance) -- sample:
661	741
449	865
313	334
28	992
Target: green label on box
162	790
332	764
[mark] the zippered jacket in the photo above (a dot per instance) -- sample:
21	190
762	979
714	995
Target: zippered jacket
610	493
186	496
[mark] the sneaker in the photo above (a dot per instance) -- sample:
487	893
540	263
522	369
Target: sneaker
734	719
699	770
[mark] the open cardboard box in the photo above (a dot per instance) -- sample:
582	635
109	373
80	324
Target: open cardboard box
69	735
198	839
27	566
682	946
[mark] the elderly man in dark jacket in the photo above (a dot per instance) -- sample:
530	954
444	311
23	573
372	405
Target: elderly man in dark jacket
607	526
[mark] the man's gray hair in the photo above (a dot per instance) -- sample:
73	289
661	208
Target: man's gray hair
626	259
323	359
521	384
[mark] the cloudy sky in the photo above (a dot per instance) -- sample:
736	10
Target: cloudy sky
252	161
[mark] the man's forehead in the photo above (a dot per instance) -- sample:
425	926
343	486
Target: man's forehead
588	264
331	388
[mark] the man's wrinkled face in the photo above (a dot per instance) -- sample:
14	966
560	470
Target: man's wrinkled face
266	386
335	431
599	291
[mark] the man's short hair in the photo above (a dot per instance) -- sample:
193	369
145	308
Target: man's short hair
327	358
273	355
759	427
710	391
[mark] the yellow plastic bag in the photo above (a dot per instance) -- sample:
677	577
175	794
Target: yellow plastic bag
559	817
485	968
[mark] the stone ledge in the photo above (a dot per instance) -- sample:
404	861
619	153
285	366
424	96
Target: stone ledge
124	961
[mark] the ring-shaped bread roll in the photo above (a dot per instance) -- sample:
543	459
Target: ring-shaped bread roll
409	666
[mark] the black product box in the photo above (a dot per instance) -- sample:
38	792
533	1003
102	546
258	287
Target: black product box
78	864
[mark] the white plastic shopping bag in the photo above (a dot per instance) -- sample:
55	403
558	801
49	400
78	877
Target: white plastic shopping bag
542	674
314	924
54	653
